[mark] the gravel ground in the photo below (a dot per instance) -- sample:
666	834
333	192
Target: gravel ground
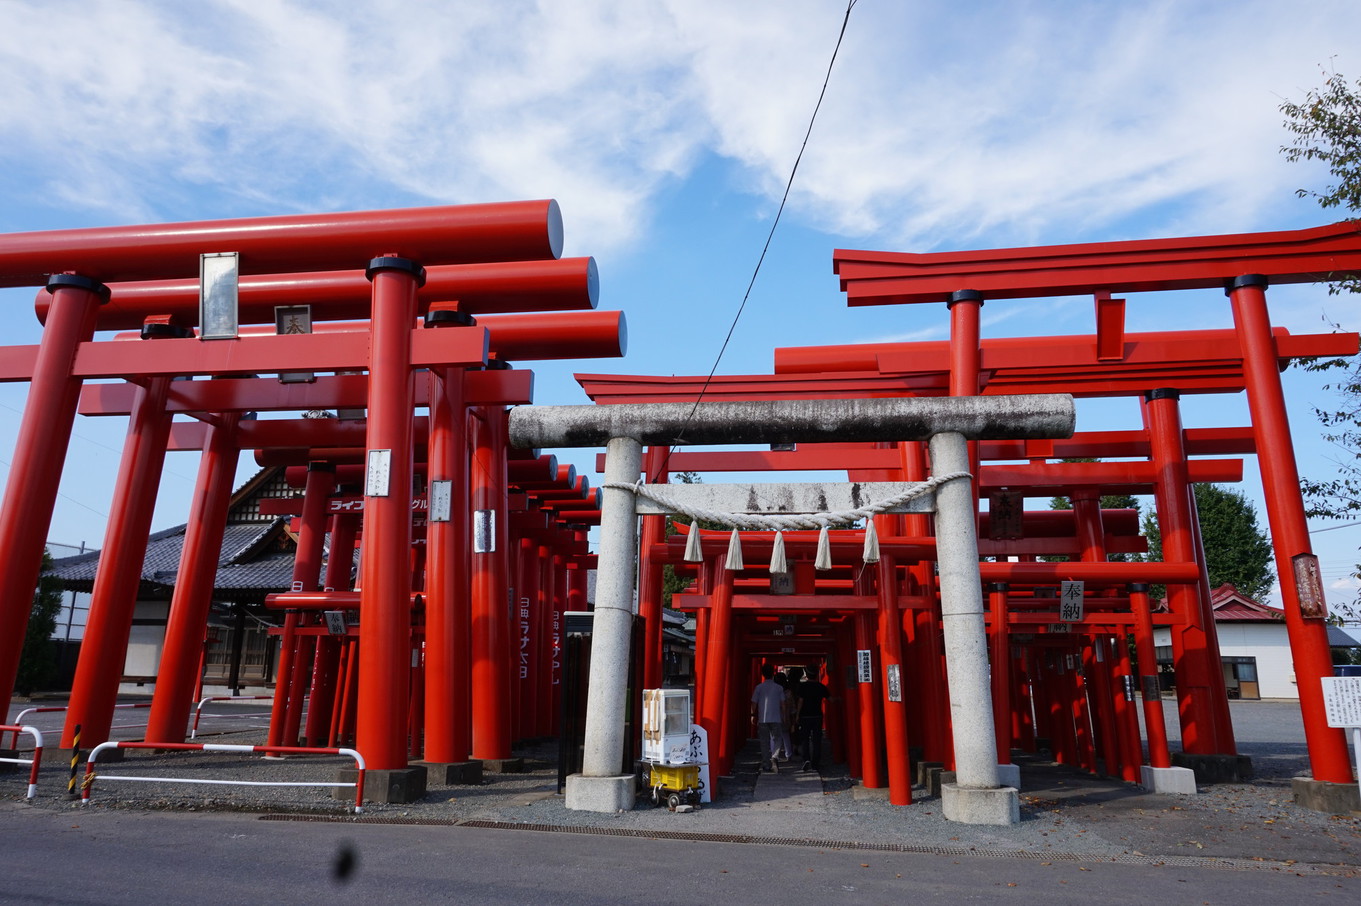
1065	814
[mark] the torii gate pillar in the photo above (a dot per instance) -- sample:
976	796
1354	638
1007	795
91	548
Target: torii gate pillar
600	786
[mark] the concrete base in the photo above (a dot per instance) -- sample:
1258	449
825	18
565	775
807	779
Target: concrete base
612	794
453	773
936	778
1000	806
503	765
1216	768
1329	798
1167	780
396	785
924	769
859	792
1009	775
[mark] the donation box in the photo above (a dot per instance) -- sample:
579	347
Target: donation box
666	726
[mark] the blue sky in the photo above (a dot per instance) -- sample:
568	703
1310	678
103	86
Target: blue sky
666	131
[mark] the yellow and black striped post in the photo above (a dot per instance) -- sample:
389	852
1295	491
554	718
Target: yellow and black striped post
75	762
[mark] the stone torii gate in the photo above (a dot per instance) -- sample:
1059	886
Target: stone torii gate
978	796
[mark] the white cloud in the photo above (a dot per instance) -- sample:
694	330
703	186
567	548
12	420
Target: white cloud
1007	123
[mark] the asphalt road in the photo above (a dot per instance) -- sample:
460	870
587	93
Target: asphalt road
1081	839
136	858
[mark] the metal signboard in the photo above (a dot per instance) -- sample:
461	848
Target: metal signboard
288	320
217	294
484	532
1070	601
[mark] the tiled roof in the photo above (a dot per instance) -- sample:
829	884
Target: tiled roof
250	564
255	559
1232	606
1343	638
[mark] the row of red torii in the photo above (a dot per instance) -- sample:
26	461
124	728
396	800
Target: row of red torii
501	520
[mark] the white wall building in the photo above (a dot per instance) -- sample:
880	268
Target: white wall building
1254	646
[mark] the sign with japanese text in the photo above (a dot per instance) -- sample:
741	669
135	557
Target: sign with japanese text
699	754
1070	601
1309	587
441	500
1342	700
1005	509
378	473
864	666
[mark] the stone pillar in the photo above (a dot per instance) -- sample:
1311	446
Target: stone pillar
600	787
976	796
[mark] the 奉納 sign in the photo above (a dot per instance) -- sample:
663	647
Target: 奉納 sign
1070	601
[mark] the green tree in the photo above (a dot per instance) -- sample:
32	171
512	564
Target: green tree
37	662
1236	549
1326	128
672	583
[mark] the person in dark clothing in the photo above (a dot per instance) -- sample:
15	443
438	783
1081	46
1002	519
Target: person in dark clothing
810	695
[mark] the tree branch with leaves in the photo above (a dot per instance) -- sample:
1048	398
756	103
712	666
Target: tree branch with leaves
1326	128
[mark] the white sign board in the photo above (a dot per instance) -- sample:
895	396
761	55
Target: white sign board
1342	704
865	667
441	500
699	754
1070	602
1342	700
378	474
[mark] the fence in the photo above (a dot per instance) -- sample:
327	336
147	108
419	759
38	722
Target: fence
88	784
198	710
19	718
36	761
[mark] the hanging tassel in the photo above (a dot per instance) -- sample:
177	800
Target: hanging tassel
871	554
735	551
779	565
693	553
824	558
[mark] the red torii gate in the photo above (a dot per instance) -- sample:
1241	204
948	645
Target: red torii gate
1109	363
499	257
1241	264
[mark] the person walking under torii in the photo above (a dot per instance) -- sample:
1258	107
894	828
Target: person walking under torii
769	711
810	694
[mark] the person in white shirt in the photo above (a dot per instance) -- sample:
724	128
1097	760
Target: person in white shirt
771	716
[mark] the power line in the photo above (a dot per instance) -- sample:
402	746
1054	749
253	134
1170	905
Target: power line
1333	528
789	184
